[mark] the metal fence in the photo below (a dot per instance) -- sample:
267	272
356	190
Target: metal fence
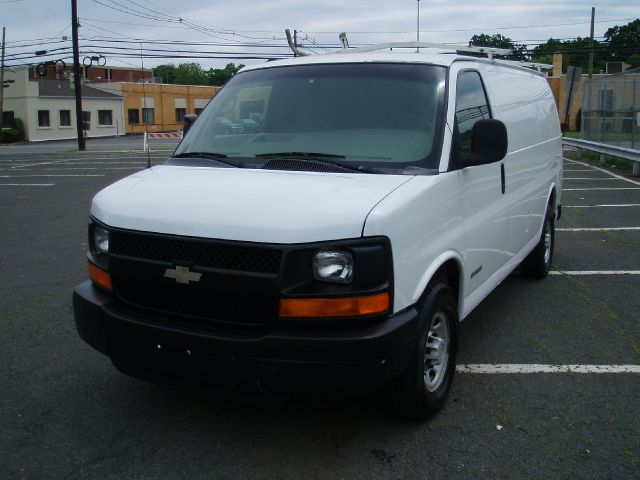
610	110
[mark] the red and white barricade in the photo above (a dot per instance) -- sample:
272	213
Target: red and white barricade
149	135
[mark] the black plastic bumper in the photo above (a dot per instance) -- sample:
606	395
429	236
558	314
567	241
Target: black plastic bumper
347	358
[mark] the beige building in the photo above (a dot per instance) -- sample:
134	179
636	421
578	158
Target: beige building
158	107
48	111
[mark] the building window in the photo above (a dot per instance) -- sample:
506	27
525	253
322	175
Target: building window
180	113
43	118
7	119
147	115
198	111
108	74
105	118
86	120
134	116
65	118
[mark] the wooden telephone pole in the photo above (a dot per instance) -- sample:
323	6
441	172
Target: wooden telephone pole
76	75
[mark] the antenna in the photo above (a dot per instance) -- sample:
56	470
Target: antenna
144	106
418	28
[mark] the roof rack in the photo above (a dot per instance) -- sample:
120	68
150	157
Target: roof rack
490	52
443	47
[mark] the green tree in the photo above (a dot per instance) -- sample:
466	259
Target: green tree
191	74
499	41
575	53
220	76
624	43
167	73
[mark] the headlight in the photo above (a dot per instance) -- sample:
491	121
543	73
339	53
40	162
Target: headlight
101	240
335	266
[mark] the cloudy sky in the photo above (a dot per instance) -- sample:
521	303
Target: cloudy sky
252	26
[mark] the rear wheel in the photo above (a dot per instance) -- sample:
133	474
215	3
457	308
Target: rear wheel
538	262
422	389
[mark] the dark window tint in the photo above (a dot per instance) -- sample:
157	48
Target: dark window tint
43	118
471	106
7	119
105	117
134	116
180	113
65	118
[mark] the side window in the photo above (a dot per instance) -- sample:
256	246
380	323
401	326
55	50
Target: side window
471	106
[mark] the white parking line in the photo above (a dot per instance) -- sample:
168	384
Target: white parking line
604	171
600	229
27	184
536	368
578	170
594	272
595	179
603	188
602	206
51	175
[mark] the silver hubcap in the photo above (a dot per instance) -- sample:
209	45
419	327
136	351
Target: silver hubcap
436	352
547	242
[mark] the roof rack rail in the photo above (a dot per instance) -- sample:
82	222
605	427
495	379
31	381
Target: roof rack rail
519	63
489	51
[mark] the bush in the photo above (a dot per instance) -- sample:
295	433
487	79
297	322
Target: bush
19	126
10	135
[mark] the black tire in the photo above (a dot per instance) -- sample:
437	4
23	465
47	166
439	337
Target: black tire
418	396
538	262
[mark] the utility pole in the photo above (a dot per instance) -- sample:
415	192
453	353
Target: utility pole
2	85
593	17
76	74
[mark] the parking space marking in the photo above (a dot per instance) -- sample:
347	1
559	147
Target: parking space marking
594	179
27	184
571	170
600	229
594	272
511	368
603	206
597	188
604	171
52	175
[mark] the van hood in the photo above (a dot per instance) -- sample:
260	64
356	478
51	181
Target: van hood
242	204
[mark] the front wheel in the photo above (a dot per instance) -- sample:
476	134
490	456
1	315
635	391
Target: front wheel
538	262
422	389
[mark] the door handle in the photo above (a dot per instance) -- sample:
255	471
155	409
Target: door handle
502	177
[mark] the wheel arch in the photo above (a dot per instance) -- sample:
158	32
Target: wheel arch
448	269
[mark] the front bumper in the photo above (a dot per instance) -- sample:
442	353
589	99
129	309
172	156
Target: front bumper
354	357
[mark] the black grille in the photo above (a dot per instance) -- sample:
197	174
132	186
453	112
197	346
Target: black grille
210	307
306	166
194	251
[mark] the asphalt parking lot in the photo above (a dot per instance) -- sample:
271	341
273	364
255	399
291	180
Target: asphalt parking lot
67	413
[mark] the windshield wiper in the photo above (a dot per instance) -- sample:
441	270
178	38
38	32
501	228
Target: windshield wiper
218	157
200	155
319	158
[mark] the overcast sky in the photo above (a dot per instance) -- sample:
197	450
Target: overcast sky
365	21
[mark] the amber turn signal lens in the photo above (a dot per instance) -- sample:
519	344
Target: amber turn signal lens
334	307
99	276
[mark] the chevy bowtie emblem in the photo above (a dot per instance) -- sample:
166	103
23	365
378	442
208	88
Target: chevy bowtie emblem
182	275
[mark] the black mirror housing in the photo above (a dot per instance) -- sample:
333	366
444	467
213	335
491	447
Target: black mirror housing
187	123
489	142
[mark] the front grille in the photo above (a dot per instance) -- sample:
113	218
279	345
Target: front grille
209	307
205	253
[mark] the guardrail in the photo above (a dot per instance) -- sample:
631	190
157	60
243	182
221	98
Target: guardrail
605	149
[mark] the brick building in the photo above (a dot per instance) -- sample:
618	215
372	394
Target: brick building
158	107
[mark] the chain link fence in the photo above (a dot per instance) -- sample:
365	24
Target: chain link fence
610	112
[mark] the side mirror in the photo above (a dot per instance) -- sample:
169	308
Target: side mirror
187	123
489	142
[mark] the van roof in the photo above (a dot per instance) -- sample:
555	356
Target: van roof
430	56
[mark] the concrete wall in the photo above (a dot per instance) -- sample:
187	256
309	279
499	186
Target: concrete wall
55	131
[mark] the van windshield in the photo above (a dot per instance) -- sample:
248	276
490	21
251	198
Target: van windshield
371	117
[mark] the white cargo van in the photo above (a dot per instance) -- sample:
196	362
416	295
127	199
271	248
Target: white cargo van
326	223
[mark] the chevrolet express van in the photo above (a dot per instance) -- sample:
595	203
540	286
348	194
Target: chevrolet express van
325	225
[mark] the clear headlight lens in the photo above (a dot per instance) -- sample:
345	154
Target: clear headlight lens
335	266
101	240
